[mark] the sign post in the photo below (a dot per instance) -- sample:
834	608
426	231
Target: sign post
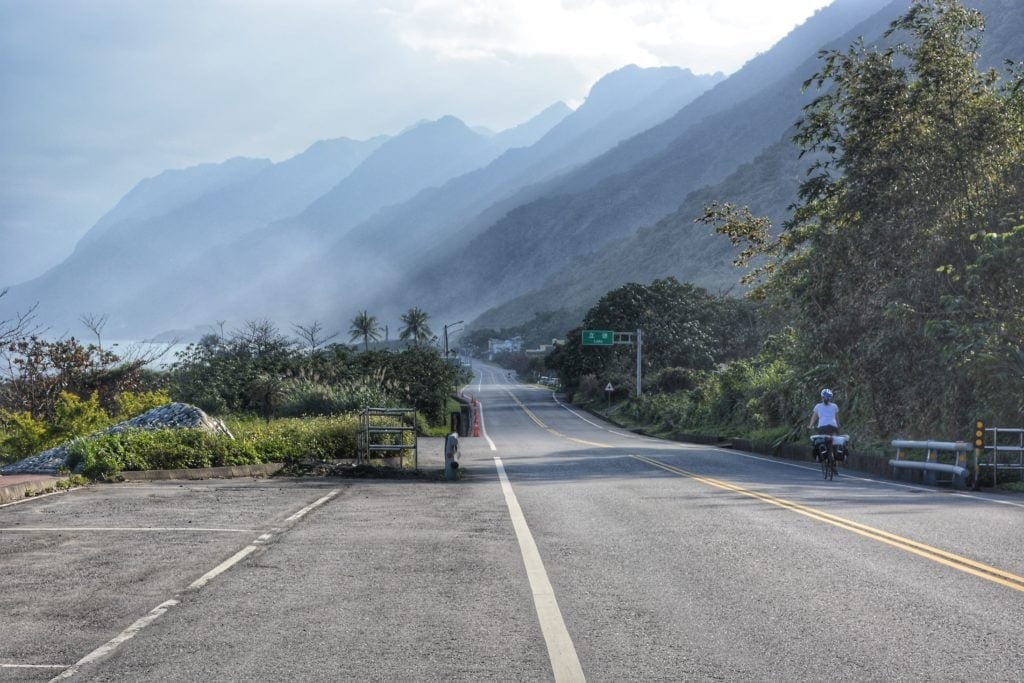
608	391
639	356
611	338
598	338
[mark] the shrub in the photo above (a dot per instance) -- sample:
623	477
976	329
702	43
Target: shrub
671	380
74	417
104	457
131	404
308	398
22	435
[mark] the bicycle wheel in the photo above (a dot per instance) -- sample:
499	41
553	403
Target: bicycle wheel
830	461
825	467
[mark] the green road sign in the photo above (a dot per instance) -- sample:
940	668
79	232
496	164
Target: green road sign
598	337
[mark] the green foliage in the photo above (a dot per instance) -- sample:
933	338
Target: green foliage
271	378
414	326
76	417
364	326
132	404
526	367
683	327
22	435
540	329
255	441
899	269
302	397
39	370
290	439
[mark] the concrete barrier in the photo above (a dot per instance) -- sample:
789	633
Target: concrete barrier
264	470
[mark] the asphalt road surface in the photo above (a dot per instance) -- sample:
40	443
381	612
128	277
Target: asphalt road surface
570	550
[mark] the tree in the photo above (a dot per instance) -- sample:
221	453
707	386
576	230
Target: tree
683	327
415	326
312	336
19	326
364	326
915	186
95	322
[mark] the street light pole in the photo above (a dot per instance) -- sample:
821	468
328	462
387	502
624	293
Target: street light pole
447	325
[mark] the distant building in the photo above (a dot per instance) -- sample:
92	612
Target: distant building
496	346
544	349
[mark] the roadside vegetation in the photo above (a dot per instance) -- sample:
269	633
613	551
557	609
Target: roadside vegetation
284	399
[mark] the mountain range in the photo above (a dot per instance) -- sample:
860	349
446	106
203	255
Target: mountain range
465	223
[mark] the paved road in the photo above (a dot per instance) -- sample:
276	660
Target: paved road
571	549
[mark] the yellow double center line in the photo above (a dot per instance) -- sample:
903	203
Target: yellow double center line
982	571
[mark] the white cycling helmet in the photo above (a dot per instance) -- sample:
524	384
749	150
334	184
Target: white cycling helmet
826	394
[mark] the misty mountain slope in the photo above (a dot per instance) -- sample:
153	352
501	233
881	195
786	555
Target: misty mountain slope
424	156
547	236
676	246
172	189
529	132
619	105
170	220
272	262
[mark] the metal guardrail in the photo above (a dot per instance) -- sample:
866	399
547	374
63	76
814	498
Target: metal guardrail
378	426
931	466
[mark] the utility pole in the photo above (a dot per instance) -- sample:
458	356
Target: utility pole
639	358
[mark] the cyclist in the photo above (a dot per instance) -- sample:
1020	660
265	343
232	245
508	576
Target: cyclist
826	413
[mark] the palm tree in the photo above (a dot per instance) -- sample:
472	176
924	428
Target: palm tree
415	320
364	325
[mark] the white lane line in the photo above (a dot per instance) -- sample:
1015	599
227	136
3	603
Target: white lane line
67	529
114	643
159	610
628	435
315	504
223	567
483	429
33	666
561	651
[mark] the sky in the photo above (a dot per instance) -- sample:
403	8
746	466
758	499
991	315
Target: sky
96	95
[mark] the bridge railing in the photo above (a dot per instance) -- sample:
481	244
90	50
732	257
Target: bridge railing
1003	454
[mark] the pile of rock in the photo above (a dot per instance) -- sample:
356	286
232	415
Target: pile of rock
170	416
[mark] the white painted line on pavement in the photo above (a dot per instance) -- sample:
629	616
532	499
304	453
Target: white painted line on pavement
26	499
33	666
116	642
315	504
483	429
630	435
561	651
222	567
159	610
67	529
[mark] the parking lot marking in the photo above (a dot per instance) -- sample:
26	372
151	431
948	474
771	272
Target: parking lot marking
315	504
33	666
66	529
159	610
117	640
